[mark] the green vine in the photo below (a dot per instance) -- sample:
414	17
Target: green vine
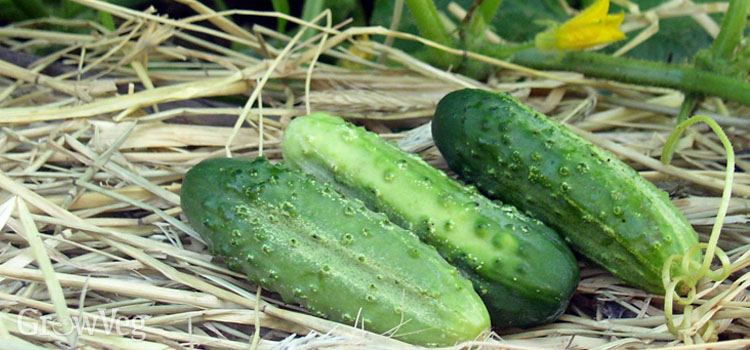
431	27
697	79
690	273
681	77
725	52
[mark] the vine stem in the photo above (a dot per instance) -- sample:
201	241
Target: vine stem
721	56
480	14
680	77
732	26
636	71
432	28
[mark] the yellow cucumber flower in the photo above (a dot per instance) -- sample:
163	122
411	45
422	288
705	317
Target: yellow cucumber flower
354	50
592	27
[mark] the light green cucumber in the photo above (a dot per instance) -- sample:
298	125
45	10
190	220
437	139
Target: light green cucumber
298	237
603	207
523	270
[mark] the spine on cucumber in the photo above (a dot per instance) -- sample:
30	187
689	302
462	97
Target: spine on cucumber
522	269
297	236
603	207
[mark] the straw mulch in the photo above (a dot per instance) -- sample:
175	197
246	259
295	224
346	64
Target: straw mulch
98	132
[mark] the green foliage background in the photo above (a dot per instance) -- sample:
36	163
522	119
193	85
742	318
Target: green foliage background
678	39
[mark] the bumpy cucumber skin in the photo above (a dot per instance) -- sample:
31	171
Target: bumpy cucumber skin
523	270
603	207
296	236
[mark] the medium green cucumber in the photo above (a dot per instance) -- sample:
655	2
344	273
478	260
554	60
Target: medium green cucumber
523	270
603	207
296	236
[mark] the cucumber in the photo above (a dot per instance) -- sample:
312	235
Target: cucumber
523	270
298	237
601	206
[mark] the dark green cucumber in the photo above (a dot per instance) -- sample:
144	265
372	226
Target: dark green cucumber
523	270
296	236
603	207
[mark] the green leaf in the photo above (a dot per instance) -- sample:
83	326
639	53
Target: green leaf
32	8
381	16
70	9
678	39
344	9
520	21
105	18
340	11
10	12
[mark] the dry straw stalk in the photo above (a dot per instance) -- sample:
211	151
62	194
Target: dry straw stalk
95	138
